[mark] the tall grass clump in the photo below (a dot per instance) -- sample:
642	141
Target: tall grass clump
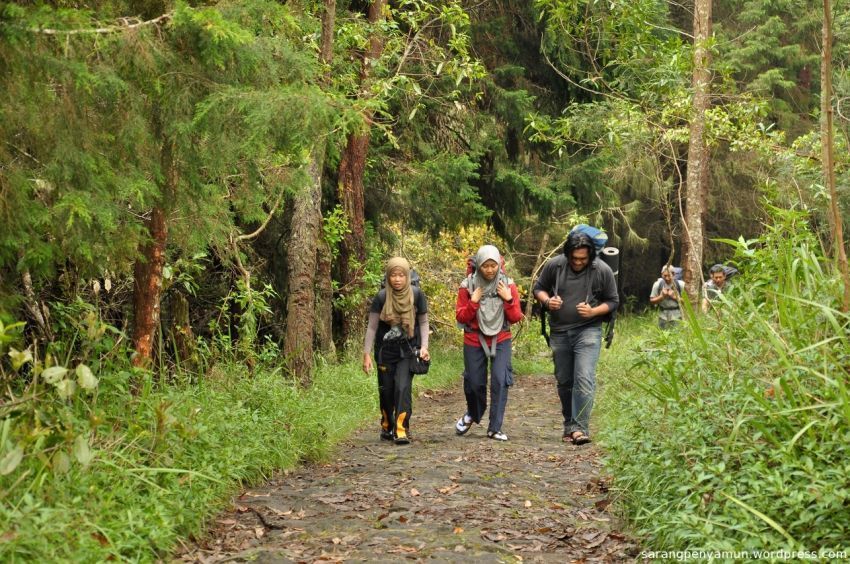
733	433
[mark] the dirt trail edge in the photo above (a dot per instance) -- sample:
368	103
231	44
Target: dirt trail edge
444	497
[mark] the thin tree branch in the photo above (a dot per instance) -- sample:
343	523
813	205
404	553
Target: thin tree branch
570	80
265	223
126	23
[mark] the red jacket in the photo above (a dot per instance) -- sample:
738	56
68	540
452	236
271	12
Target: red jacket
466	313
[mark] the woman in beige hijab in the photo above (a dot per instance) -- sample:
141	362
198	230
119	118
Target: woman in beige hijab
398	330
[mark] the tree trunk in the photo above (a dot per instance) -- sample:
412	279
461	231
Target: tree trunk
698	158
827	148
147	272
326	48
324	340
181	330
37	309
303	245
351	169
300	306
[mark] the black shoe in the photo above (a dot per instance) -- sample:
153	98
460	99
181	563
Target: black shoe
402	438
386	435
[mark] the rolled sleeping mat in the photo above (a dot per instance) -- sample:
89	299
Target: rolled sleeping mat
611	257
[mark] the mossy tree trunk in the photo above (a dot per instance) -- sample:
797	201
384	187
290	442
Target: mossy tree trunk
304	245
828	156
698	156
324	341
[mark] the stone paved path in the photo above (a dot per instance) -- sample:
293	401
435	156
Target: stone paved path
442	498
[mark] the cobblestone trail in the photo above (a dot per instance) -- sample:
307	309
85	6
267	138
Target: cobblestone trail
443	497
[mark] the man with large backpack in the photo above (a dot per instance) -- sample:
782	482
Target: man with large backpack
578	291
667	295
718	284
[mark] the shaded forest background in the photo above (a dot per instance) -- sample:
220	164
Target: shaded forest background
186	171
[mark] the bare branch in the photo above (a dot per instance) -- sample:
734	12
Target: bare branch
126	23
265	223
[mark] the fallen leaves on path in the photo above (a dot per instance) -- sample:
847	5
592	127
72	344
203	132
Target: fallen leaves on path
533	497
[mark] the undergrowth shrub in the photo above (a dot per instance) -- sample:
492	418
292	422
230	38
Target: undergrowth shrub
161	463
733	433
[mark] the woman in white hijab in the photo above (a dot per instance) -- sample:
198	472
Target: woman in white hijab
487	305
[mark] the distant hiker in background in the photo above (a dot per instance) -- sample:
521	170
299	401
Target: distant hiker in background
578	290
398	328
667	294
716	286
487	305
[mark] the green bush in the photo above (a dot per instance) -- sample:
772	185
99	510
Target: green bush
734	432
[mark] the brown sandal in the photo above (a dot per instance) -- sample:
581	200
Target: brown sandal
579	438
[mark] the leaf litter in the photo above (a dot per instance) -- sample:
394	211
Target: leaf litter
530	499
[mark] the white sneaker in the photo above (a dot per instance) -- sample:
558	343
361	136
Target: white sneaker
463	424
498	435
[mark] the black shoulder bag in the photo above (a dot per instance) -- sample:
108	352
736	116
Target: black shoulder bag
417	364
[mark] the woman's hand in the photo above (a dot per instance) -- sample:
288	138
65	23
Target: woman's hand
367	363
476	295
424	354
504	291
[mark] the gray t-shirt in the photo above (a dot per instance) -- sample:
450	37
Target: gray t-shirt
669	307
595	285
712	292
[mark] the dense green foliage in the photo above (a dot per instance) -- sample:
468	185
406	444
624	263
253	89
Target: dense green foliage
732	432
158	465
85	116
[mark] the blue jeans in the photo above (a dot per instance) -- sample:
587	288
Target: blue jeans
576	353
475	363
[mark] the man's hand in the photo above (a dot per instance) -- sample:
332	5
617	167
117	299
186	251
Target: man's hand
504	291
585	310
555	303
367	363
424	354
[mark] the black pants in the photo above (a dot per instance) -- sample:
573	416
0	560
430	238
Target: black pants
395	386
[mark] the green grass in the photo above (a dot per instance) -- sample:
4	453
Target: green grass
531	355
164	464
733	432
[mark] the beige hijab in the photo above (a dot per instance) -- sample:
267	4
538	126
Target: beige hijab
398	307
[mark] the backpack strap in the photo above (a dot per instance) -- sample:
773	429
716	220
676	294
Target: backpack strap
544	312
467	285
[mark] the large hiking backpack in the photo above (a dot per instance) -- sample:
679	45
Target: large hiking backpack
678	283
599	237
